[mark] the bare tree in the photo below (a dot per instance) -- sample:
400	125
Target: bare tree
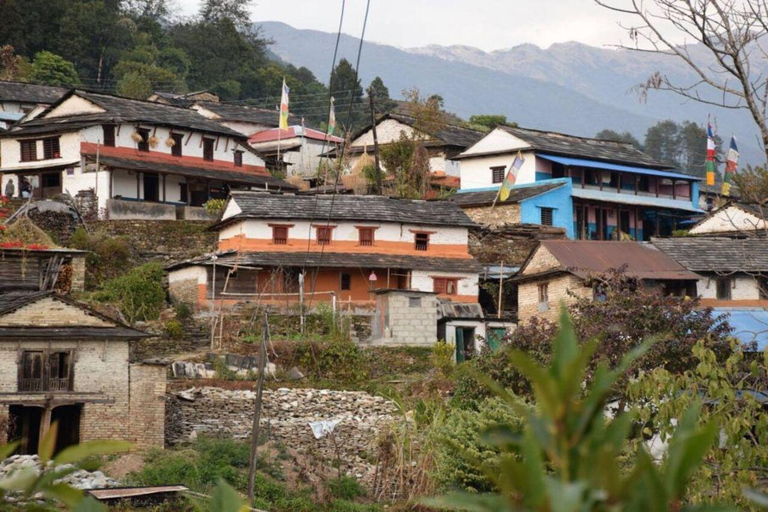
733	33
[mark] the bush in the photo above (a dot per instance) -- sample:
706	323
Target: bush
461	447
139	294
214	207
107	257
346	488
174	330
442	357
183	310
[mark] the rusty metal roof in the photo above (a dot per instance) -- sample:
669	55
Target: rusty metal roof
644	261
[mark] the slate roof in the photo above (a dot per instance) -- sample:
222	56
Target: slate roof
450	135
247	114
123	110
30	93
486	197
716	254
11	301
348	207
585	257
584	147
266	181
338	260
753	209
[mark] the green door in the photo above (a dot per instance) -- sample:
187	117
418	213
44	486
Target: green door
496	337
459	345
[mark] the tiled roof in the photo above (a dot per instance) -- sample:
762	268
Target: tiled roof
339	260
585	257
198	172
12	300
246	114
486	197
349	207
124	110
571	145
30	93
449	135
716	254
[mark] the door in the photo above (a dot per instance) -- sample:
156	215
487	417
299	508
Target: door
459	345
25	422
151	187
624	222
67	417
496	337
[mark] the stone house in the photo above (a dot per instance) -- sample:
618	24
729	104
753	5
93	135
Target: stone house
611	186
243	119
733	220
331	248
42	269
733	273
557	271
64	362
134	159
22	98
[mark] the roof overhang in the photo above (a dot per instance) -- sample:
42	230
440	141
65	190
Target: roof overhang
596	164
631	199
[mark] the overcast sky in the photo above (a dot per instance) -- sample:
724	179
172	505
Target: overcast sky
486	24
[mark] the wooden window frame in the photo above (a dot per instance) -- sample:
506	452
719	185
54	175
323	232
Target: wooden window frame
28	150
727	282
323	228
425	241
208	149
47	382
498	174
348	280
176	149
547	216
442	284
238	158
543	291
51	148
366	229
109	135
277	240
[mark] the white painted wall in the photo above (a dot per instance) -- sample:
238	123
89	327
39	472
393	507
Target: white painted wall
729	220
345	231
497	140
745	288
10	152
422	280
231	209
476	171
75	105
386	131
197	273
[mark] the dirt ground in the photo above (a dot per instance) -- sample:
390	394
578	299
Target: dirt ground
124	464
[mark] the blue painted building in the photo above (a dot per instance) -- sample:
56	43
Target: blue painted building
613	189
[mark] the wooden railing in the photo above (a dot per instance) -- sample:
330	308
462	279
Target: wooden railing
36	385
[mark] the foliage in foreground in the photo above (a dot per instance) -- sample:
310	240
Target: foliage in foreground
568	456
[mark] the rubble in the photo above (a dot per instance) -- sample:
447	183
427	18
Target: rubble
79	479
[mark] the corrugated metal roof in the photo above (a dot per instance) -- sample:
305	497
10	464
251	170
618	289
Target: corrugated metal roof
584	257
594	164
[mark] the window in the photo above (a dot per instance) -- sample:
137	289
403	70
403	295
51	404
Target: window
346	281
208	149
445	285
28	150
51	148
422	241
51	179
546	216
35	375
109	135
365	236
724	285
497	174
544	297
238	158
144	143
178	141
414	302
324	235
279	235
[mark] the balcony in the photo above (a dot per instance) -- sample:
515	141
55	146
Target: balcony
37	385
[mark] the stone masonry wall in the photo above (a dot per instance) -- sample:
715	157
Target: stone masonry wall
285	416
147	405
558	290
501	214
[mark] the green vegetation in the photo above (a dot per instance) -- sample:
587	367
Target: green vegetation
107	258
138	294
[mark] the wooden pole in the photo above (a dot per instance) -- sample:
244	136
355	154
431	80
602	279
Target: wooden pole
501	288
257	412
375	142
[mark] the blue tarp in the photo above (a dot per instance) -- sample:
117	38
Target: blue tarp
595	164
748	325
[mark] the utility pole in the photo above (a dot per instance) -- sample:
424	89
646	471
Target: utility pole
371	95
257	412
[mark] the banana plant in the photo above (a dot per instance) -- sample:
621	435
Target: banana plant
569	456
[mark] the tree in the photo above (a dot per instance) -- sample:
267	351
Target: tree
683	145
382	102
731	34
346	89
488	121
235	11
52	69
662	142
135	85
619	137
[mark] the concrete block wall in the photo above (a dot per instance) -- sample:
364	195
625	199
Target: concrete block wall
413	325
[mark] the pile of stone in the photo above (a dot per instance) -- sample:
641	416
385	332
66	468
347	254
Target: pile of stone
286	417
79	479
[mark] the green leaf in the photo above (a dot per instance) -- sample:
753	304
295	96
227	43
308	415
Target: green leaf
756	497
565	496
225	499
78	452
63	493
687	448
7	450
90	504
48	443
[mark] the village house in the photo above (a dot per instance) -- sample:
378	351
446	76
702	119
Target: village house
22	98
297	148
341	247
64	363
442	146
41	269
558	271
610	188
130	158
243	119
733	220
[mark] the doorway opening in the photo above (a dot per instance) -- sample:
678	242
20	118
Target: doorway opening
465	343
151	187
26	422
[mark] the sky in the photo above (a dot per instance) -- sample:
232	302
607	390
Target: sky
485	24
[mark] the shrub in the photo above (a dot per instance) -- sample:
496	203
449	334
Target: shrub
441	357
139	294
174	330
107	257
183	310
214	207
462	448
346	488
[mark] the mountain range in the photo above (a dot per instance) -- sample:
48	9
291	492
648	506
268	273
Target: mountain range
569	87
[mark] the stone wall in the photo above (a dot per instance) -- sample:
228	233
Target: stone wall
558	290
147	405
285	416
501	214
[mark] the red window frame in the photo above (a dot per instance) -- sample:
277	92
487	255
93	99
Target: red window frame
279	235
421	241
324	235
445	285
366	236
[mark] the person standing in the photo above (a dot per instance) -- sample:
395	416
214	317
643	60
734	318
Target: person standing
10	188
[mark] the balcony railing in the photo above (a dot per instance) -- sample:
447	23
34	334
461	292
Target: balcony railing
36	385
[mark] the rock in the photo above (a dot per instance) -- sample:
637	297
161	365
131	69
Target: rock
295	374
